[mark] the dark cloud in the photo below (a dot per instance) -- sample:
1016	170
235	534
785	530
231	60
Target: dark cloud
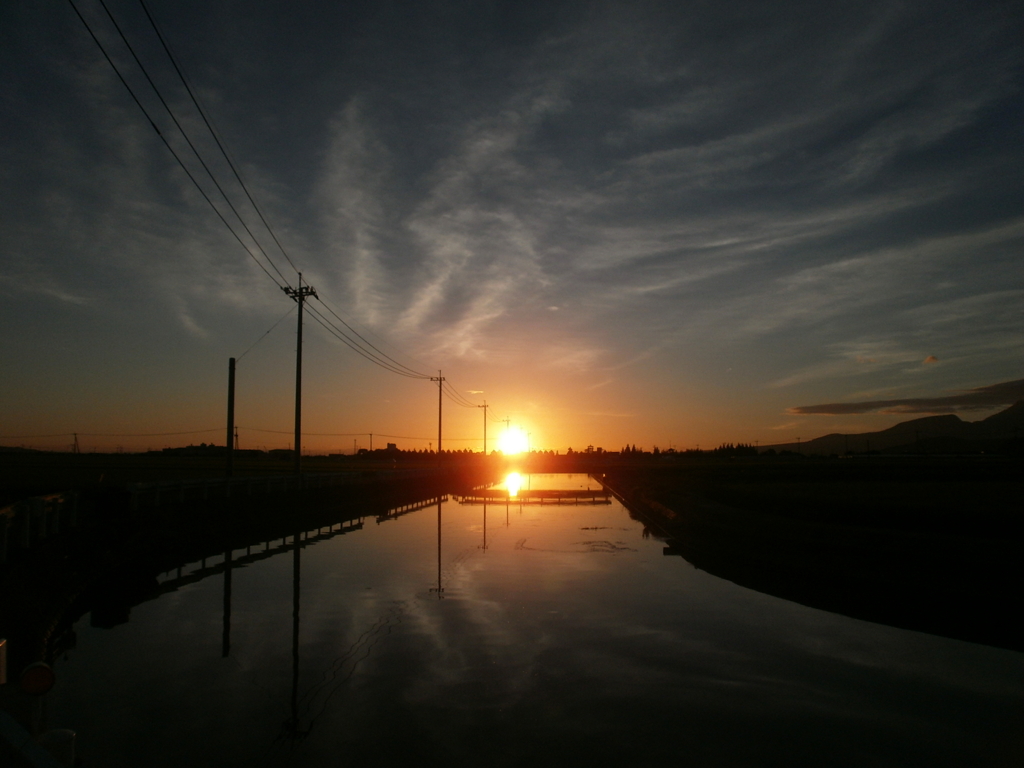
981	398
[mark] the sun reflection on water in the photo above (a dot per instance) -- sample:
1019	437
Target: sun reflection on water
514	482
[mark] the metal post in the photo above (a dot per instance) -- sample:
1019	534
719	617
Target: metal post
231	417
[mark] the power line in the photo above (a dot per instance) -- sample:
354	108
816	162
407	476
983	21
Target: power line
166	143
406	437
185	135
369	344
310	434
213	132
343	434
388	362
393	365
376	356
458	396
453	395
111	434
355	347
261	338
382	341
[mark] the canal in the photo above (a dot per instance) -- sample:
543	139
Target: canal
541	632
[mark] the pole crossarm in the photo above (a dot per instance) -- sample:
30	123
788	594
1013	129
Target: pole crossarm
301	293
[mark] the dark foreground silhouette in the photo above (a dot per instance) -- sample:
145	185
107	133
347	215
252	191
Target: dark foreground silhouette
933	545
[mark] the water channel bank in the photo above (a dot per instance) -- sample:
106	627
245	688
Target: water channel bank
540	626
934	546
108	561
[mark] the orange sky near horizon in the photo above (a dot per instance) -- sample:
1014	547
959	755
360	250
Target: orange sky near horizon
645	224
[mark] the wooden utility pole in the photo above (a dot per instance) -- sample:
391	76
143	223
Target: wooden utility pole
300	295
230	443
440	383
484	406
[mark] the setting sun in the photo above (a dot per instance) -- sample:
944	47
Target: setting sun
513	440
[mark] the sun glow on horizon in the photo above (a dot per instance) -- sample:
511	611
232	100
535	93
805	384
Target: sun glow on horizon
513	440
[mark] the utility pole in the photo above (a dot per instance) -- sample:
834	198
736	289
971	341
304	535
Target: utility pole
300	295
440	383
484	406
231	417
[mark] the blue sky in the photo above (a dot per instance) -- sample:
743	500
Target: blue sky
654	223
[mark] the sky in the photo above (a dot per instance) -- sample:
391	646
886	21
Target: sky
662	224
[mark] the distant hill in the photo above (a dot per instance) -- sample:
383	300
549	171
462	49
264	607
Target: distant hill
946	433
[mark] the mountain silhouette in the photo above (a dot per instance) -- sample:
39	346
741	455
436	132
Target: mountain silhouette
945	433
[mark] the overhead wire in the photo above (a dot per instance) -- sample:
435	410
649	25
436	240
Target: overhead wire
261	338
113	434
368	343
345	434
462	399
455	396
406	437
354	346
374	354
388	362
311	434
381	341
163	138
184	133
209	124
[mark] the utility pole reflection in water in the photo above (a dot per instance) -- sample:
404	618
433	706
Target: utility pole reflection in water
439	589
226	637
296	577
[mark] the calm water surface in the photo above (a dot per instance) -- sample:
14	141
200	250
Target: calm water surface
562	636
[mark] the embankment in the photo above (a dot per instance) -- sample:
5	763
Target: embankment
931	548
111	560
